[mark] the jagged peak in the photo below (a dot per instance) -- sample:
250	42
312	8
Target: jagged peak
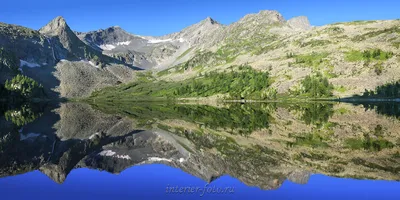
54	26
112	28
269	12
300	22
270	16
210	20
59	19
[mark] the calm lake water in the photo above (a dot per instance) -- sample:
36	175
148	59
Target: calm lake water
182	151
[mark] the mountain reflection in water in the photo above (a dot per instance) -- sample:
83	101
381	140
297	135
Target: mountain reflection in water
255	147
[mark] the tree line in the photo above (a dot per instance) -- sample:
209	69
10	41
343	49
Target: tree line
244	82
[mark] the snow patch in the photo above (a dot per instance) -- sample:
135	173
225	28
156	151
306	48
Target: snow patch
28	64
157	159
110	153
107	153
113	46
107	47
29	135
94	135
154	41
127	157
181	160
44	63
181	40
140	36
94	65
124	43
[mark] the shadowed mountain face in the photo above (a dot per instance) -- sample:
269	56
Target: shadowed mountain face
55	57
261	145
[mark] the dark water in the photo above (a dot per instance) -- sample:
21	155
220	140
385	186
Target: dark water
181	151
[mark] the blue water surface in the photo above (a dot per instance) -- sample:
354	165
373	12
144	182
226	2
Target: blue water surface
151	182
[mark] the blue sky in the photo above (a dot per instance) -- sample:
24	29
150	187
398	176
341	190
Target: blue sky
159	17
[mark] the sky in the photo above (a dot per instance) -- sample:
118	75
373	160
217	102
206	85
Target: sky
160	17
152	181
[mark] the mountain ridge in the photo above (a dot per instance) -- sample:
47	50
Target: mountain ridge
287	49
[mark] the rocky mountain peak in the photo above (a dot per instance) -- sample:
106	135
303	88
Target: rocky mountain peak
300	22
299	177
263	17
64	39
210	20
113	28
55	27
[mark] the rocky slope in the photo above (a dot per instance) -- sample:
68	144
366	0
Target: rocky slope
59	60
291	50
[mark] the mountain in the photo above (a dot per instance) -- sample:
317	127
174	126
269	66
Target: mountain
287	50
28	46
59	60
151	52
290	50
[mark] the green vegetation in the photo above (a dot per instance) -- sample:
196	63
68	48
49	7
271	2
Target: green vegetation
341	89
378	68
334	30
22	115
368	55
396	44
342	111
368	143
389	90
235	118
311	60
357	22
242	83
371	34
390	109
290	55
314	113
237	82
24	87
313	140
314	86
315	43
18	31
8	60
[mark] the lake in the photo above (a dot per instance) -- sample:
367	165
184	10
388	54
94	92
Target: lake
318	150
